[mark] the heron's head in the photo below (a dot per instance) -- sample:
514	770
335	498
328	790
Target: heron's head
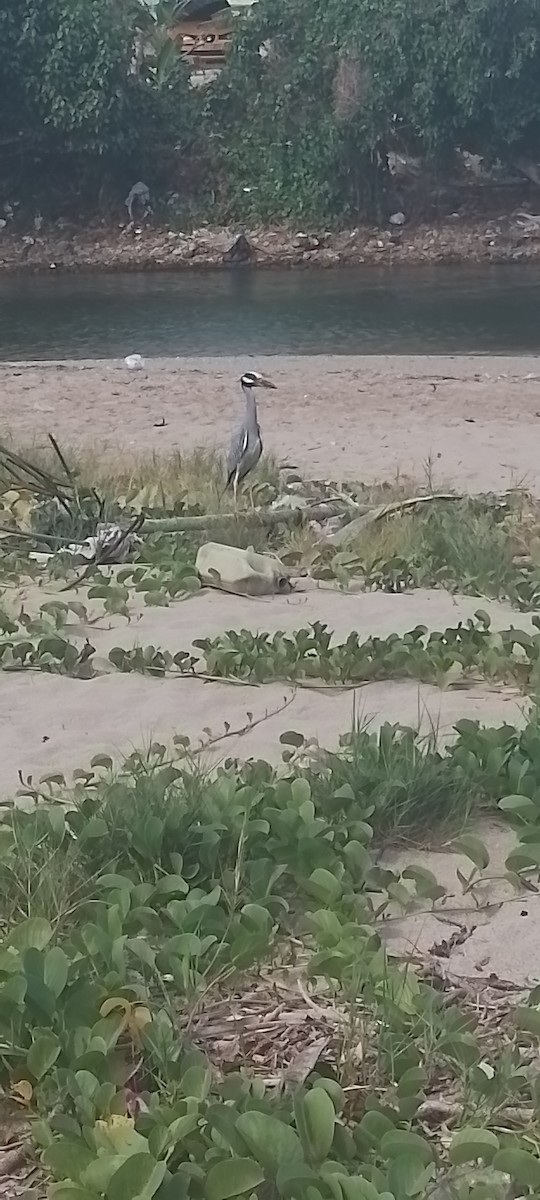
254	379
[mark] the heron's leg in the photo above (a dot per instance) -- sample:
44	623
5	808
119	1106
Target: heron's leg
235	489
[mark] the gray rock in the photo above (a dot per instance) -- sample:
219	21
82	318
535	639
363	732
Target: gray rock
397	218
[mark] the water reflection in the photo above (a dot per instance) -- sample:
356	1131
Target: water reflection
422	310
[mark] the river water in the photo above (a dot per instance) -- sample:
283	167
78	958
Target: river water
360	310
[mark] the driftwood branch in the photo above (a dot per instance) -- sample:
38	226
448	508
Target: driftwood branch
346	535
365	515
266	517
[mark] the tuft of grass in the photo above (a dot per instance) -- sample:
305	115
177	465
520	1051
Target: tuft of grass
399	487
467	546
194	479
38	880
401	536
402	782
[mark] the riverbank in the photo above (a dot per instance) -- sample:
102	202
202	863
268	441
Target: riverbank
474	421
456	239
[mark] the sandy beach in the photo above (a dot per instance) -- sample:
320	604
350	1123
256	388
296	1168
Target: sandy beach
470	422
473	422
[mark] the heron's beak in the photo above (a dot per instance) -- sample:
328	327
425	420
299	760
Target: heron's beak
267	383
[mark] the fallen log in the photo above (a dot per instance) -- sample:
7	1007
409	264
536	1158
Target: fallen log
266	517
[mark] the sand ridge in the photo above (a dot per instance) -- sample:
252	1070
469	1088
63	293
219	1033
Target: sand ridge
473	421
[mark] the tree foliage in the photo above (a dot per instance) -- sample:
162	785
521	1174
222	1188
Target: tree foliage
71	101
299	125
319	91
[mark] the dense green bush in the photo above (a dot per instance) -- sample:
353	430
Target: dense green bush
308	122
299	125
72	111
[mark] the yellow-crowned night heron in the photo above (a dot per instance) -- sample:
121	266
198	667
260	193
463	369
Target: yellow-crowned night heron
246	444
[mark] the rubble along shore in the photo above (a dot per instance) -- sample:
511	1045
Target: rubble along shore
69	247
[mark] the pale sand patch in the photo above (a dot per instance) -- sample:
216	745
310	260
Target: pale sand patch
55	723
50	723
209	613
476	418
499	934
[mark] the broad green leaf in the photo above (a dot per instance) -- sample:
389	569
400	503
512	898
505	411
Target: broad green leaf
100	1171
68	1158
87	1084
356	1188
403	1141
521	806
34	933
301	790
172	885
38	996
233	1177
472	847
334	1090
142	950
323	885
469	1144
57	822
412	1082
374	1126
523	857
426	882
102	760
196	1081
271	1141
137	1179
181	1127
463	1048
292	1178
13	991
115	883
315	1118
222	1117
358	857
528	1019
183	945
93	829
55	970
42	1054
256	918
291	738
523	1167
408	1175
408	1106
452	675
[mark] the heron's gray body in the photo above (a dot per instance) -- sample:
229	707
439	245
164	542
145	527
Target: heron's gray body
246	444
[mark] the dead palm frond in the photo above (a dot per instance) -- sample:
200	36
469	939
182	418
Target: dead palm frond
19	472
63	507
